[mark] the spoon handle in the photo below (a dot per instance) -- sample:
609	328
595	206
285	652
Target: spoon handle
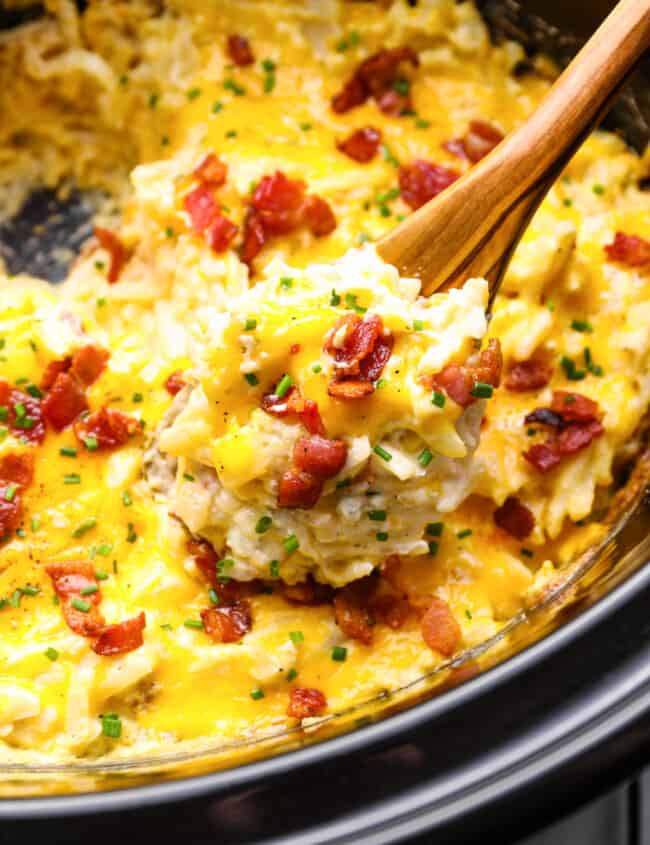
473	226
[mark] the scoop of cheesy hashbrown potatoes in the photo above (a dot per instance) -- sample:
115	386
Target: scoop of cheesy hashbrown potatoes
126	100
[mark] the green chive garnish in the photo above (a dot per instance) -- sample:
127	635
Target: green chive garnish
434	529
581	326
84	527
250	324
72	478
257	693
425	457
194	623
291	544
51	654
482	390
252	379
111	725
433	548
466	532
377	516
382	536
274	568
10	492
263	524
283	385
339	653
296	637
438	399
80	604
382	453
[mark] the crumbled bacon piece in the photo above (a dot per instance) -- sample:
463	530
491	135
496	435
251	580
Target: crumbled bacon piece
298	490
110	428
228	624
280	205
422	180
305	702
319	456
211	171
15	470
528	375
221	233
514	518
459	380
53	369
575	420
361	349
69	578
352	610
24	414
319	217
202	207
375	77
391	610
239	50
631	250
64	402
120	638
118	253
362	145
88	363
228	590
175	382
293	404
479	140
308	592
440	630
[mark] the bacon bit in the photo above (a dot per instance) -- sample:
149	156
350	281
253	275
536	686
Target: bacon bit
576	421
631	250
319	456
175	382
228	590
458	380
440	630
391	610
422	180
68	579
239	50
514	518
305	702
18	470
53	369
480	139
88	363
375	77
352	611
120	638
228	624
319	216
110	428
278	206
211	171
456	147
298	490
308	592
202	207
221	233
293	404
118	253
362	145
528	375
29	427
360	355
574	407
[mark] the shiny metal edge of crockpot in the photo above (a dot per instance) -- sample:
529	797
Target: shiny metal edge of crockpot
614	571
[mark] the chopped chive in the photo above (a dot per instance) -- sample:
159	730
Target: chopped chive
84	527
388	196
382	536
339	653
34	391
283	385
306	127
257	693
100	575
137	397
598	189
250	324
20	410
269	83
101	302
268	65
10	492
263	524
286	282
468	613
377	516
80	604
15	597
421	123
224	566
382	453
68	452
51	654
433	548
131	536
20	532
418	325
194	623
231	85
438	399
274	568
435	529
88	591
291	544
252	379
127	501
72	478
531	432
169	232
335	299
4	413
402	86
567	202
351	302
292	674
384	211
425	457
111	725
213	595
28	590
217	106
316	368
296	637
231	133
193	94
188	477
36	523
482	390
388	155
381	382
466	532
570	370
91	443
581	326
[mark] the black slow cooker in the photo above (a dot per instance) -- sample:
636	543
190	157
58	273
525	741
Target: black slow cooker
560	720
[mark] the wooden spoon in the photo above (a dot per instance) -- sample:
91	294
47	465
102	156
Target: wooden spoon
473	226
